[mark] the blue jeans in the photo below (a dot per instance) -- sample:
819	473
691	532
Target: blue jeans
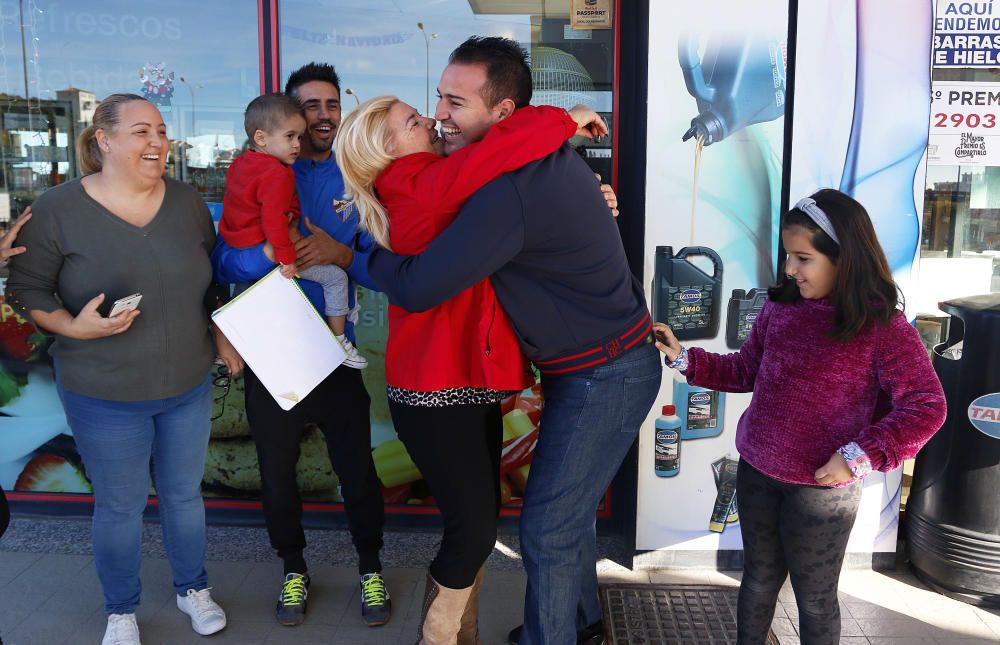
117	439
588	424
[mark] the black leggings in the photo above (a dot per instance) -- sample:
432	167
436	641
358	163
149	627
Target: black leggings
798	530
457	449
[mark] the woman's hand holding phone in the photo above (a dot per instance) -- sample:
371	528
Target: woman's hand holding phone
90	324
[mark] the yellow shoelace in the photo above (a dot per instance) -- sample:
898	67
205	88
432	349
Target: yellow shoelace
373	590
293	592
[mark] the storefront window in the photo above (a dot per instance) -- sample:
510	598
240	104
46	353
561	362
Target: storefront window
382	47
201	63
197	61
960	244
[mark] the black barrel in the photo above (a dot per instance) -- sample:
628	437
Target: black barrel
953	512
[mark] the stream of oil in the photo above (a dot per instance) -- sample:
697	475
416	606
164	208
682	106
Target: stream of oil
694	188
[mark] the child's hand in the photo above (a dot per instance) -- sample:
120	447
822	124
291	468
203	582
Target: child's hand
289	270
589	123
835	471
666	342
269	251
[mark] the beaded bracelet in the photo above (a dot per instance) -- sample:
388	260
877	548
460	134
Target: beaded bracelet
856	458
681	362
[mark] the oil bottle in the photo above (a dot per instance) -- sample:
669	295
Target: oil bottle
667	459
684	296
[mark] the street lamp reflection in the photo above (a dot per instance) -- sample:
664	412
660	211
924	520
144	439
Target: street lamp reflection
427	67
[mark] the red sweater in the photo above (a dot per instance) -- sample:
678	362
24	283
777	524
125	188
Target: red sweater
260	195
468	341
812	394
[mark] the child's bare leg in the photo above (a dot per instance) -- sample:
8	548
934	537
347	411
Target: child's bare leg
269	252
336	324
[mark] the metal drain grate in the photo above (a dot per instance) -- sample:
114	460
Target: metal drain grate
671	615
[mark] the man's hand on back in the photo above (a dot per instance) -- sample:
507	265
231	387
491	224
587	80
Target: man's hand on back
609	196
320	248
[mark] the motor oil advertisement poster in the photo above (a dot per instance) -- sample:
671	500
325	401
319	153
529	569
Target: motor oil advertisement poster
717	98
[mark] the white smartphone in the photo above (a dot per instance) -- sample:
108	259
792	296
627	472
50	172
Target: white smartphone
128	303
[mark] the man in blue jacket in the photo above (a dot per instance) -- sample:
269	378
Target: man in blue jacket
543	236
340	404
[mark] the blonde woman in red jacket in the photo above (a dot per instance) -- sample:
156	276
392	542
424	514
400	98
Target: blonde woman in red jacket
448	368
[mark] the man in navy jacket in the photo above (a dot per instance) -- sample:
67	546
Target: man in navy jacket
543	235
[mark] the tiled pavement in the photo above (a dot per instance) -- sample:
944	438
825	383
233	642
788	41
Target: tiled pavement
53	598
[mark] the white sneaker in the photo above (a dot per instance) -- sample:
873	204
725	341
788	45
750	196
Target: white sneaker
354	358
206	615
122	630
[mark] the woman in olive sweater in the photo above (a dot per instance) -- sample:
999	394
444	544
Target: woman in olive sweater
135	386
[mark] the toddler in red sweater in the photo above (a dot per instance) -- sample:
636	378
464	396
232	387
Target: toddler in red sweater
841	386
260	208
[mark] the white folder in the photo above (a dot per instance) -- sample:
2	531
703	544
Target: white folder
283	339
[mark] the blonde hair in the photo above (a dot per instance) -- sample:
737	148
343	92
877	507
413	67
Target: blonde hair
106	117
363	151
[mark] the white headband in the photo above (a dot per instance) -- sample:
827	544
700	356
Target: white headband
816	214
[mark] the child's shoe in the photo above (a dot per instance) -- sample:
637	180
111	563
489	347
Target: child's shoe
354	358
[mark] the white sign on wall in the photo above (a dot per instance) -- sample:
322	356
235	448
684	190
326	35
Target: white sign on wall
965	124
590	14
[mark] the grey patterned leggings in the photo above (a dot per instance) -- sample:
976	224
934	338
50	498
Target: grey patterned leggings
798	530
334	281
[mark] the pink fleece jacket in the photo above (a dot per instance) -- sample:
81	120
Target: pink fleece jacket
813	394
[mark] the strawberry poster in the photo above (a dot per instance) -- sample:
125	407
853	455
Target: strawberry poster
36	451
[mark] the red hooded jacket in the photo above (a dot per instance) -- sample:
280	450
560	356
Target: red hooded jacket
468	341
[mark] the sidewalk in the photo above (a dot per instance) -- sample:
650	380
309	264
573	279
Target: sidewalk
49	593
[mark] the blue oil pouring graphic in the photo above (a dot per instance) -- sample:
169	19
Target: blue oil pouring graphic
738	82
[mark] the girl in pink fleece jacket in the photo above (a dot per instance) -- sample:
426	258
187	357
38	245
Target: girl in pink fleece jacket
841	386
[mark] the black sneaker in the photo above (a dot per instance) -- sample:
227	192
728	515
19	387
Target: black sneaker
292	599
376	606
589	635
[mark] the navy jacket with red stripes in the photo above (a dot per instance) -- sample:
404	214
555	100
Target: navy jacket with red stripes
544	236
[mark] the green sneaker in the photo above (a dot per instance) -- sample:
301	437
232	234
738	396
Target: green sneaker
292	599
376	606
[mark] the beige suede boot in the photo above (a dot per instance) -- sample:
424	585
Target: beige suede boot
468	633
442	614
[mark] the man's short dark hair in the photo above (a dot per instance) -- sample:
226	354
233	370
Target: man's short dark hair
508	75
312	72
268	112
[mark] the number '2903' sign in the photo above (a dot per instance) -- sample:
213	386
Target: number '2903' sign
965	124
